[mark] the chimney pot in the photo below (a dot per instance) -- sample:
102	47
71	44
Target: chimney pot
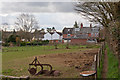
81	25
90	25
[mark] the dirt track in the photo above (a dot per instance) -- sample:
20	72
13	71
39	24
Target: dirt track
105	65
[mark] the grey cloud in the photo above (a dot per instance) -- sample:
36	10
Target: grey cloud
37	4
37	7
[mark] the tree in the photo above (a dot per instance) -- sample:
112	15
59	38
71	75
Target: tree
102	12
42	30
106	14
51	29
27	23
76	25
21	34
18	41
12	39
0	35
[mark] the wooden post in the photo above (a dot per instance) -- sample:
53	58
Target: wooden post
100	54
95	60
98	58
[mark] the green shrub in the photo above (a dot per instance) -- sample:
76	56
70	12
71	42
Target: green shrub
39	43
5	44
23	43
45	42
34	43
12	38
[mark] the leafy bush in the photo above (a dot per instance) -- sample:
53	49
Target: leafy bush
5	44
12	38
100	40
45	42
34	43
39	43
23	43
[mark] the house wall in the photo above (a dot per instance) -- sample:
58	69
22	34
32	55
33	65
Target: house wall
66	35
55	41
47	36
78	41
95	35
65	41
55	36
89	34
60	37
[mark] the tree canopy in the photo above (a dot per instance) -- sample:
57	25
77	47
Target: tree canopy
102	12
26	22
76	25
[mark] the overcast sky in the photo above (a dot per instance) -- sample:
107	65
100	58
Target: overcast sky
48	14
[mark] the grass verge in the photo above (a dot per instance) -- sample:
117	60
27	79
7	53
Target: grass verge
112	64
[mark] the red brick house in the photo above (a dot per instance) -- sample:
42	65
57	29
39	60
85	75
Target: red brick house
81	35
85	34
67	34
79	39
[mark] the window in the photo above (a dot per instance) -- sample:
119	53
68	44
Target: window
60	40
68	35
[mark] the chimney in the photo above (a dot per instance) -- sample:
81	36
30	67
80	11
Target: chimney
90	25
81	25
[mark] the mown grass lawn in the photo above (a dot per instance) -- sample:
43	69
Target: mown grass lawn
15	60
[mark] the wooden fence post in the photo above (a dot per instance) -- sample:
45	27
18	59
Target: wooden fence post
95	60
98	58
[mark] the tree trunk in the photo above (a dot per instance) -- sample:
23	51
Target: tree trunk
107	35
56	46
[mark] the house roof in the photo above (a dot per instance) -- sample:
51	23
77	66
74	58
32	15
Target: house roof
39	31
86	30
83	30
56	32
95	30
59	33
67	38
68	30
81	36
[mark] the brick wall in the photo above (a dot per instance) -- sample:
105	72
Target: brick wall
89	34
55	41
78	41
65	35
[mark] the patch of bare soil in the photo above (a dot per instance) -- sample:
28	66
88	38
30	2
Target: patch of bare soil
70	64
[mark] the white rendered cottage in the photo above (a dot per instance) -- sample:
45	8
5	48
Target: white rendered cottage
47	36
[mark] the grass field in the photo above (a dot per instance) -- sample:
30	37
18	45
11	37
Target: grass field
15	60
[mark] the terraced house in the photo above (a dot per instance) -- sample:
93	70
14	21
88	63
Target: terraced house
81	35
